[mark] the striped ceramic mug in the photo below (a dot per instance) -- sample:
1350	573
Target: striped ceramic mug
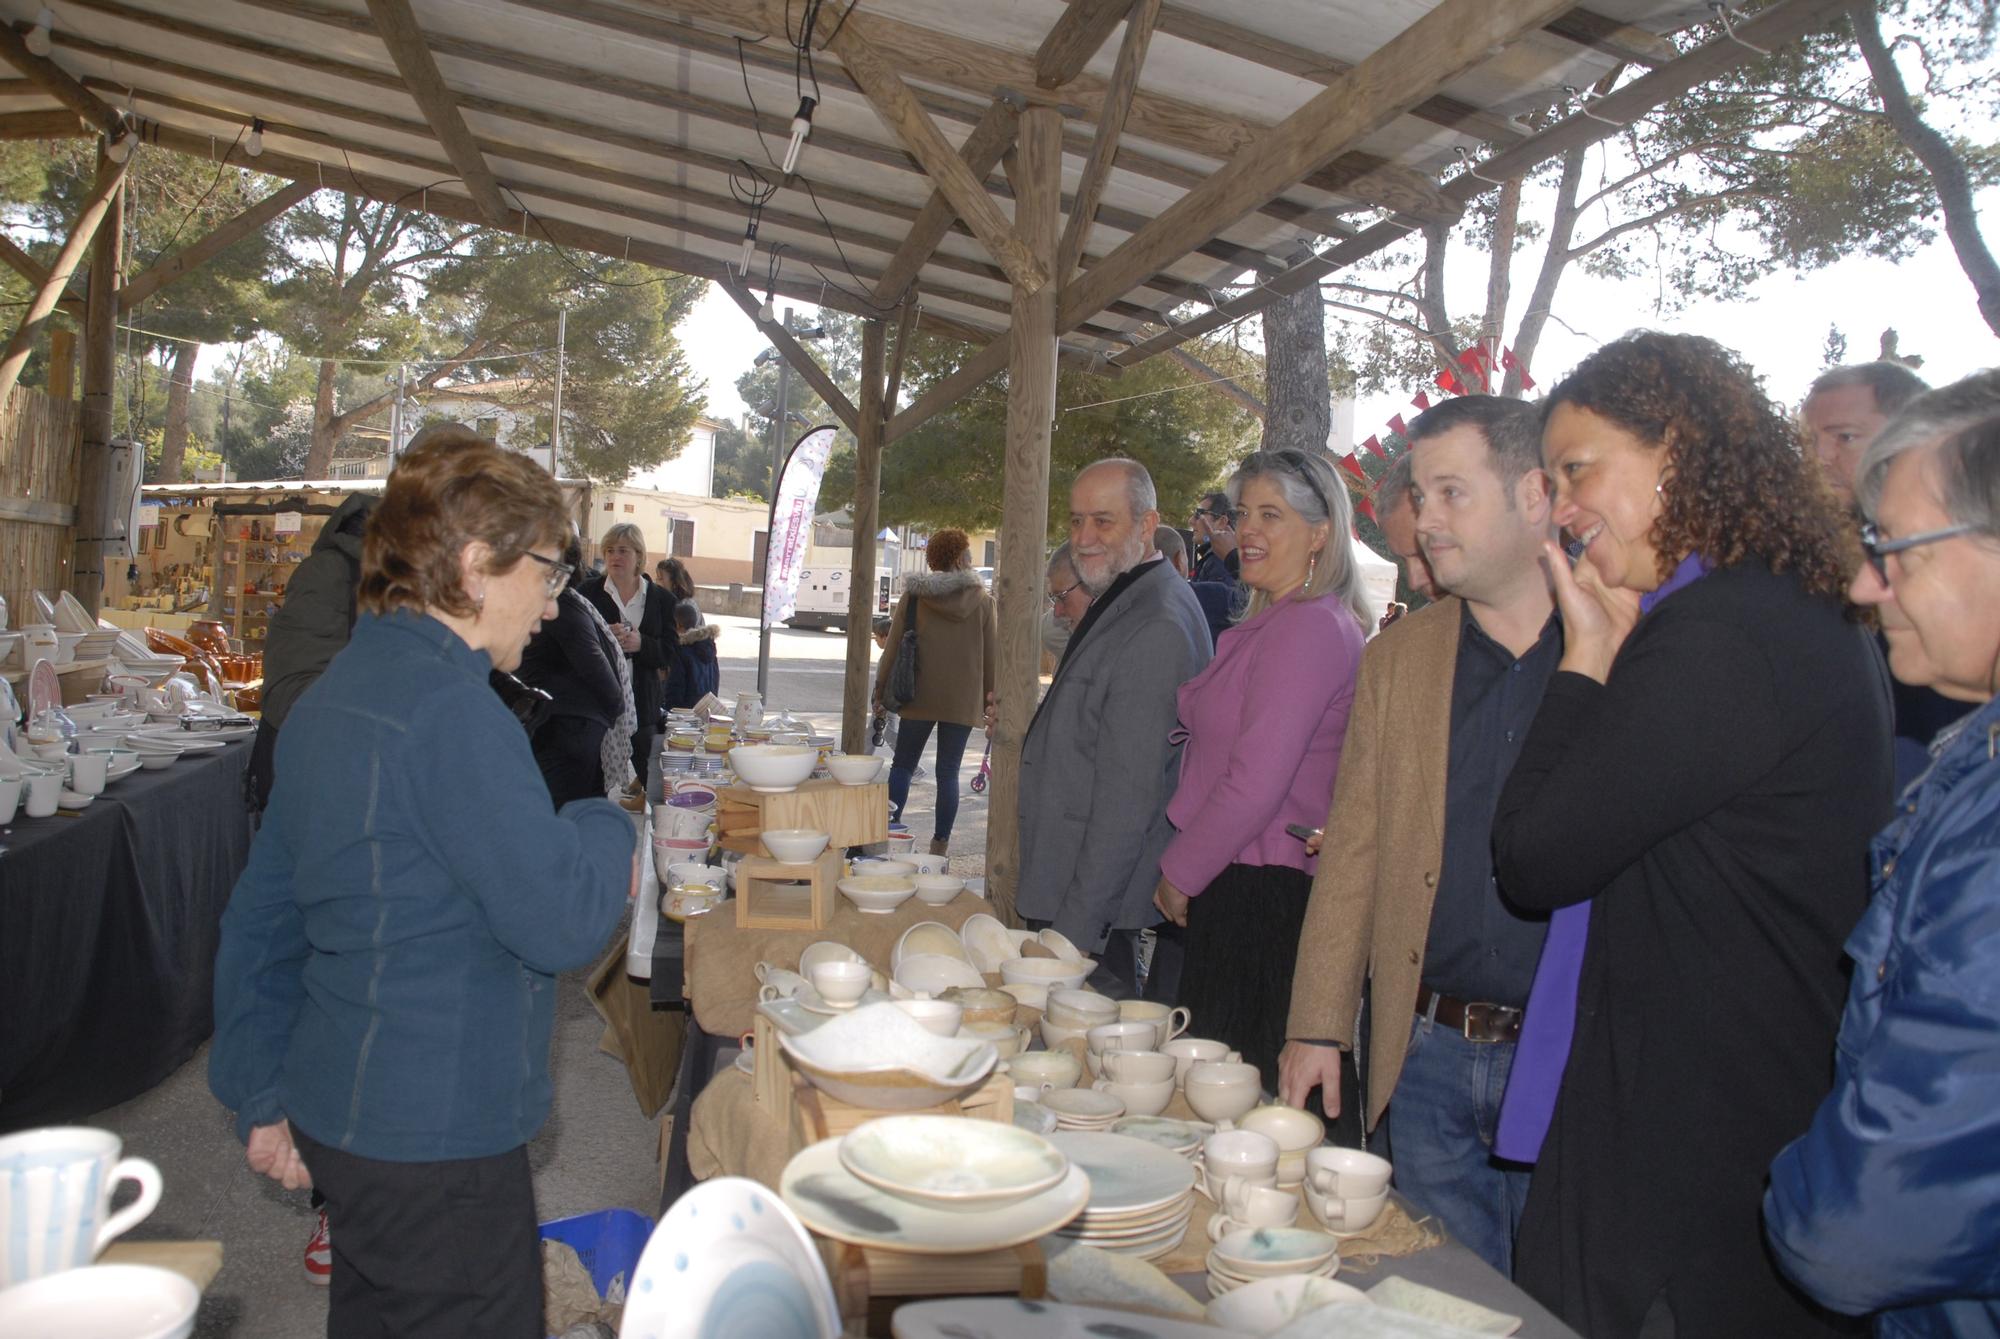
55	1199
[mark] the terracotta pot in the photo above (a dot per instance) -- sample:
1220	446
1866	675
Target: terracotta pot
210	635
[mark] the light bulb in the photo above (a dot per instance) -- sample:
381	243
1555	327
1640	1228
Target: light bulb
37	39
119	147
749	253
802	125
767	313
254	146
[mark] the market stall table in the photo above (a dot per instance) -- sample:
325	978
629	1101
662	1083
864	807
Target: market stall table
109	921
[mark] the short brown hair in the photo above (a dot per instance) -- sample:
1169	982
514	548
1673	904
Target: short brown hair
628	534
946	547
1737	484
453	490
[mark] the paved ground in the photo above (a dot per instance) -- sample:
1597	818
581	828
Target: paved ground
597	1151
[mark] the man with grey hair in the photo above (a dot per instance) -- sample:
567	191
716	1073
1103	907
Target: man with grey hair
1846	409
1396	514
1099	761
1068	601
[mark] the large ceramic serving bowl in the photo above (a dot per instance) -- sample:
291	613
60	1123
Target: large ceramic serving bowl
880	1058
1050	972
773	768
967	1165
987	942
934	973
103	1302
878	894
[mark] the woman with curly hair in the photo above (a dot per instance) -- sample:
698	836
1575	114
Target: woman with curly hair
1693	802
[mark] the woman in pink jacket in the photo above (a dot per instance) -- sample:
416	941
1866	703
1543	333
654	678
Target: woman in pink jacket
1263	726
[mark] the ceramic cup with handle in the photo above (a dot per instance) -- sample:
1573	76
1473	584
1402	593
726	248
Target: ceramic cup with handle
1008	1039
1170	1023
1186	1051
1236	1153
55	1199
40	791
88	772
1347	1173
1140	1099
1137	1067
1255	1205
1342	1216
1221	1090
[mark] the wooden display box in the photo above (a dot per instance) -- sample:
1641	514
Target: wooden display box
774	895
869	1284
848	815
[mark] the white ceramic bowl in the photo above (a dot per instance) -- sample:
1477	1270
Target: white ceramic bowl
934	890
951	1162
987	942
880	1058
854	769
1269	1305
928	937
934	973
103	1302
826	951
877	894
794	846
939	1016
773	768
1271	1252
888	869
694	871
1050	972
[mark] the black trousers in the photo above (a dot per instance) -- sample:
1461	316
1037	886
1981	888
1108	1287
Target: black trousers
424	1249
569	750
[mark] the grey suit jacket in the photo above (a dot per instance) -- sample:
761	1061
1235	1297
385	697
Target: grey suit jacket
1100	762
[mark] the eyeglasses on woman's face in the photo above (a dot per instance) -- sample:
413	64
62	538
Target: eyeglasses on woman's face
555	574
1879	549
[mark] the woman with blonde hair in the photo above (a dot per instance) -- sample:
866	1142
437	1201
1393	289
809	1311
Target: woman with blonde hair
642	620
385	986
1264	725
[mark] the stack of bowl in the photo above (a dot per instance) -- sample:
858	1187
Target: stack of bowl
1083	1108
948	1162
1072	1012
1254	1253
1296	1133
1346	1188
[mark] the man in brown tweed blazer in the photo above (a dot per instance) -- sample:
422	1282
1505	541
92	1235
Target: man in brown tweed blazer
1405	893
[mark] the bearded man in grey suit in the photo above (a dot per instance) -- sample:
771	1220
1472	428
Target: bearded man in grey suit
1101	758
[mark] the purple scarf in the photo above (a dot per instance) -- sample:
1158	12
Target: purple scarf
1549	1024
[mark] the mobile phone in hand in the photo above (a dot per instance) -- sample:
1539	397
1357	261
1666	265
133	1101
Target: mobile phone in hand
1301	831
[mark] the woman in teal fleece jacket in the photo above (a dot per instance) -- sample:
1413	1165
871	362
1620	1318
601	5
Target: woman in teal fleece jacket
385	984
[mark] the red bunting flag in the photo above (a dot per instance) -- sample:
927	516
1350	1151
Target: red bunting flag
1375	444
1513	364
1368	509
1448	383
1353	467
1397	426
1421	401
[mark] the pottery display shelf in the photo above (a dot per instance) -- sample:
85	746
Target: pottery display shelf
775	894
848	815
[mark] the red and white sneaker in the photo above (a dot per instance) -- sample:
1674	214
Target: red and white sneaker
319	1253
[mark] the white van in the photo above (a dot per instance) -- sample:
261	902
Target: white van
822	601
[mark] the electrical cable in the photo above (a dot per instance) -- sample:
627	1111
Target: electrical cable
214	181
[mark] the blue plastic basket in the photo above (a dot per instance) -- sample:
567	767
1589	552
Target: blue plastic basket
608	1242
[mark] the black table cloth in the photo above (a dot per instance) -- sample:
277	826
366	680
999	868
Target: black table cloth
109	921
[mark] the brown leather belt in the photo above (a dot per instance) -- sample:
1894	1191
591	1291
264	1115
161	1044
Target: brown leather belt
1475	1022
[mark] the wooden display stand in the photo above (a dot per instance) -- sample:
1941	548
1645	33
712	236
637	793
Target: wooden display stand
774	895
848	815
869	1284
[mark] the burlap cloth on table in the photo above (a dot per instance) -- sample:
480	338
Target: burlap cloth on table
721	981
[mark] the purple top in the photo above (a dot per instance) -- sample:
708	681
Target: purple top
1549	1024
1264	724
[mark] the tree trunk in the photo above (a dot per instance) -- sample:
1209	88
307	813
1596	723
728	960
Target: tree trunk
1298	396
1431	306
1499	267
173	437
319	456
1948	175
1555	258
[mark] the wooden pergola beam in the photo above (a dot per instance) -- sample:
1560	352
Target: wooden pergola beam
397	27
1634	45
1447	41
795	353
949	390
103	187
1222	383
980	153
1110	126
55	123
36	273
1084	27
225	235
913	127
1769	28
906	324
52	79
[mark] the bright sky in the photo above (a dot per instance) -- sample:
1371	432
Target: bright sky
1781	326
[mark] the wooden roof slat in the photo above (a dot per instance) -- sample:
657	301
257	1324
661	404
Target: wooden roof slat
1110	126
53	123
1770	28
1636	46
397	27
1444	43
912	125
1083	28
795	353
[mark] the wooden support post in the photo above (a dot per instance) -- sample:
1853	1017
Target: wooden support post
105	188
1024	519
62	363
869	431
100	360
906	325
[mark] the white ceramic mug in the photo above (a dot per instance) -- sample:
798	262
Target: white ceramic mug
1140	1099
1170	1023
1347	1173
87	772
1137	1067
10	798
42	789
1057	1069
1255	1205
1236	1153
55	1199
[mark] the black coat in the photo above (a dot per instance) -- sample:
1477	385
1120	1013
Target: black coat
569	659
1715	797
656	644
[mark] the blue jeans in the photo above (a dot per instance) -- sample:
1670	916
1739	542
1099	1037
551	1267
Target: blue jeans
910	740
1441	1123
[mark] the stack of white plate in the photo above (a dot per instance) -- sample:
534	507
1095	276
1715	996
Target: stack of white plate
1176	1136
1083	1108
1255	1253
1141	1196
